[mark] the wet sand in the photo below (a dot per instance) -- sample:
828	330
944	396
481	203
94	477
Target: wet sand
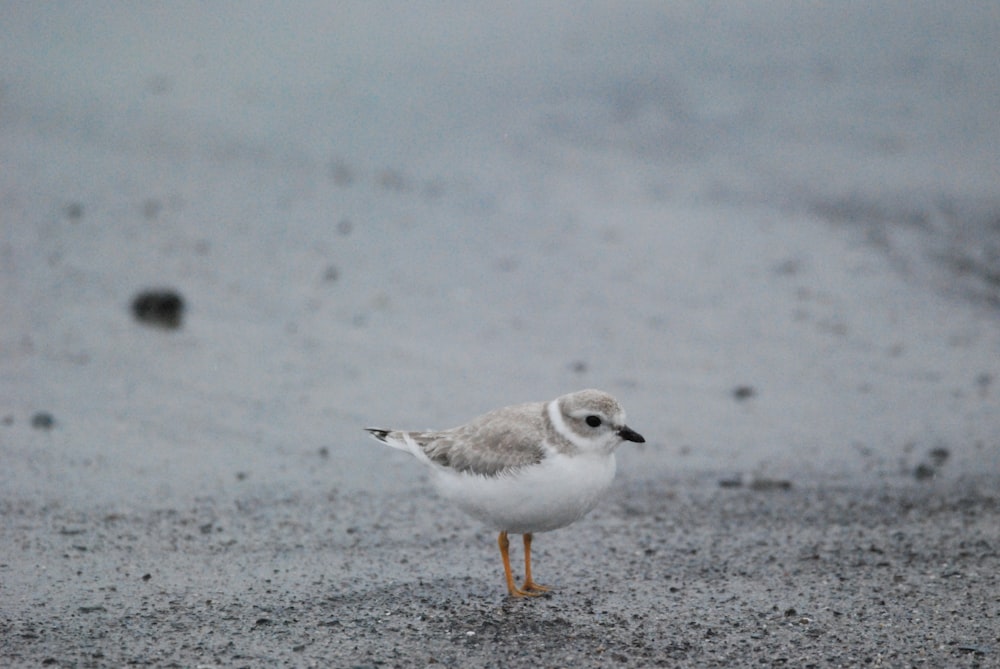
683	573
231	239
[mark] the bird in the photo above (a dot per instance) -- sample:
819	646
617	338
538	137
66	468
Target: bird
525	468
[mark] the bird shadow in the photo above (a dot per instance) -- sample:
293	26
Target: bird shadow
463	605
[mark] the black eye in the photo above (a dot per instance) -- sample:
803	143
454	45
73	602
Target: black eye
593	421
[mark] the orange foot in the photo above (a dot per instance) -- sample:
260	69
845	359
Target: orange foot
530	589
518	592
535	589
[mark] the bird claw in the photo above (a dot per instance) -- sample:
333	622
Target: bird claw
531	586
529	589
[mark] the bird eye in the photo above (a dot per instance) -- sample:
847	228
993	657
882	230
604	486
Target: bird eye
593	421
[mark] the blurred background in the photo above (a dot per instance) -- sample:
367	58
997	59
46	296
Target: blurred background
772	230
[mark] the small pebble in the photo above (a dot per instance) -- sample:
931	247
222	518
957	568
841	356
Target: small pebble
766	485
160	308
981	649
43	420
939	455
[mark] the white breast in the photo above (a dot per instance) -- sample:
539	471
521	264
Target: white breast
537	498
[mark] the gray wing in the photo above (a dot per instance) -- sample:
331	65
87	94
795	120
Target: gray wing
502	440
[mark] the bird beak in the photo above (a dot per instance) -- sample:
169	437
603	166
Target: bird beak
629	434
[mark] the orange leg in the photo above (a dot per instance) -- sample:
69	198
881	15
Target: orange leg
529	584
512	588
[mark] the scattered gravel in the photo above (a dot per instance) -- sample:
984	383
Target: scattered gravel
663	574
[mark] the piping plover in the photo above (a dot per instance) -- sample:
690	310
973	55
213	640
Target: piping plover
525	468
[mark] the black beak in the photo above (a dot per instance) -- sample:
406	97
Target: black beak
630	435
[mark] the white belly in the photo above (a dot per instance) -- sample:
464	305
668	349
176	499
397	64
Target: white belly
538	498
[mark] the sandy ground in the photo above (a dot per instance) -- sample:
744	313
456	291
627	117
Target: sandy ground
770	229
684	573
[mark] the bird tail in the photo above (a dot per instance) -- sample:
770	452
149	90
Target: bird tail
393	438
400	440
379	434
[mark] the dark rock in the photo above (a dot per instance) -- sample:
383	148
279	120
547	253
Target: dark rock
162	308
939	455
43	420
766	485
